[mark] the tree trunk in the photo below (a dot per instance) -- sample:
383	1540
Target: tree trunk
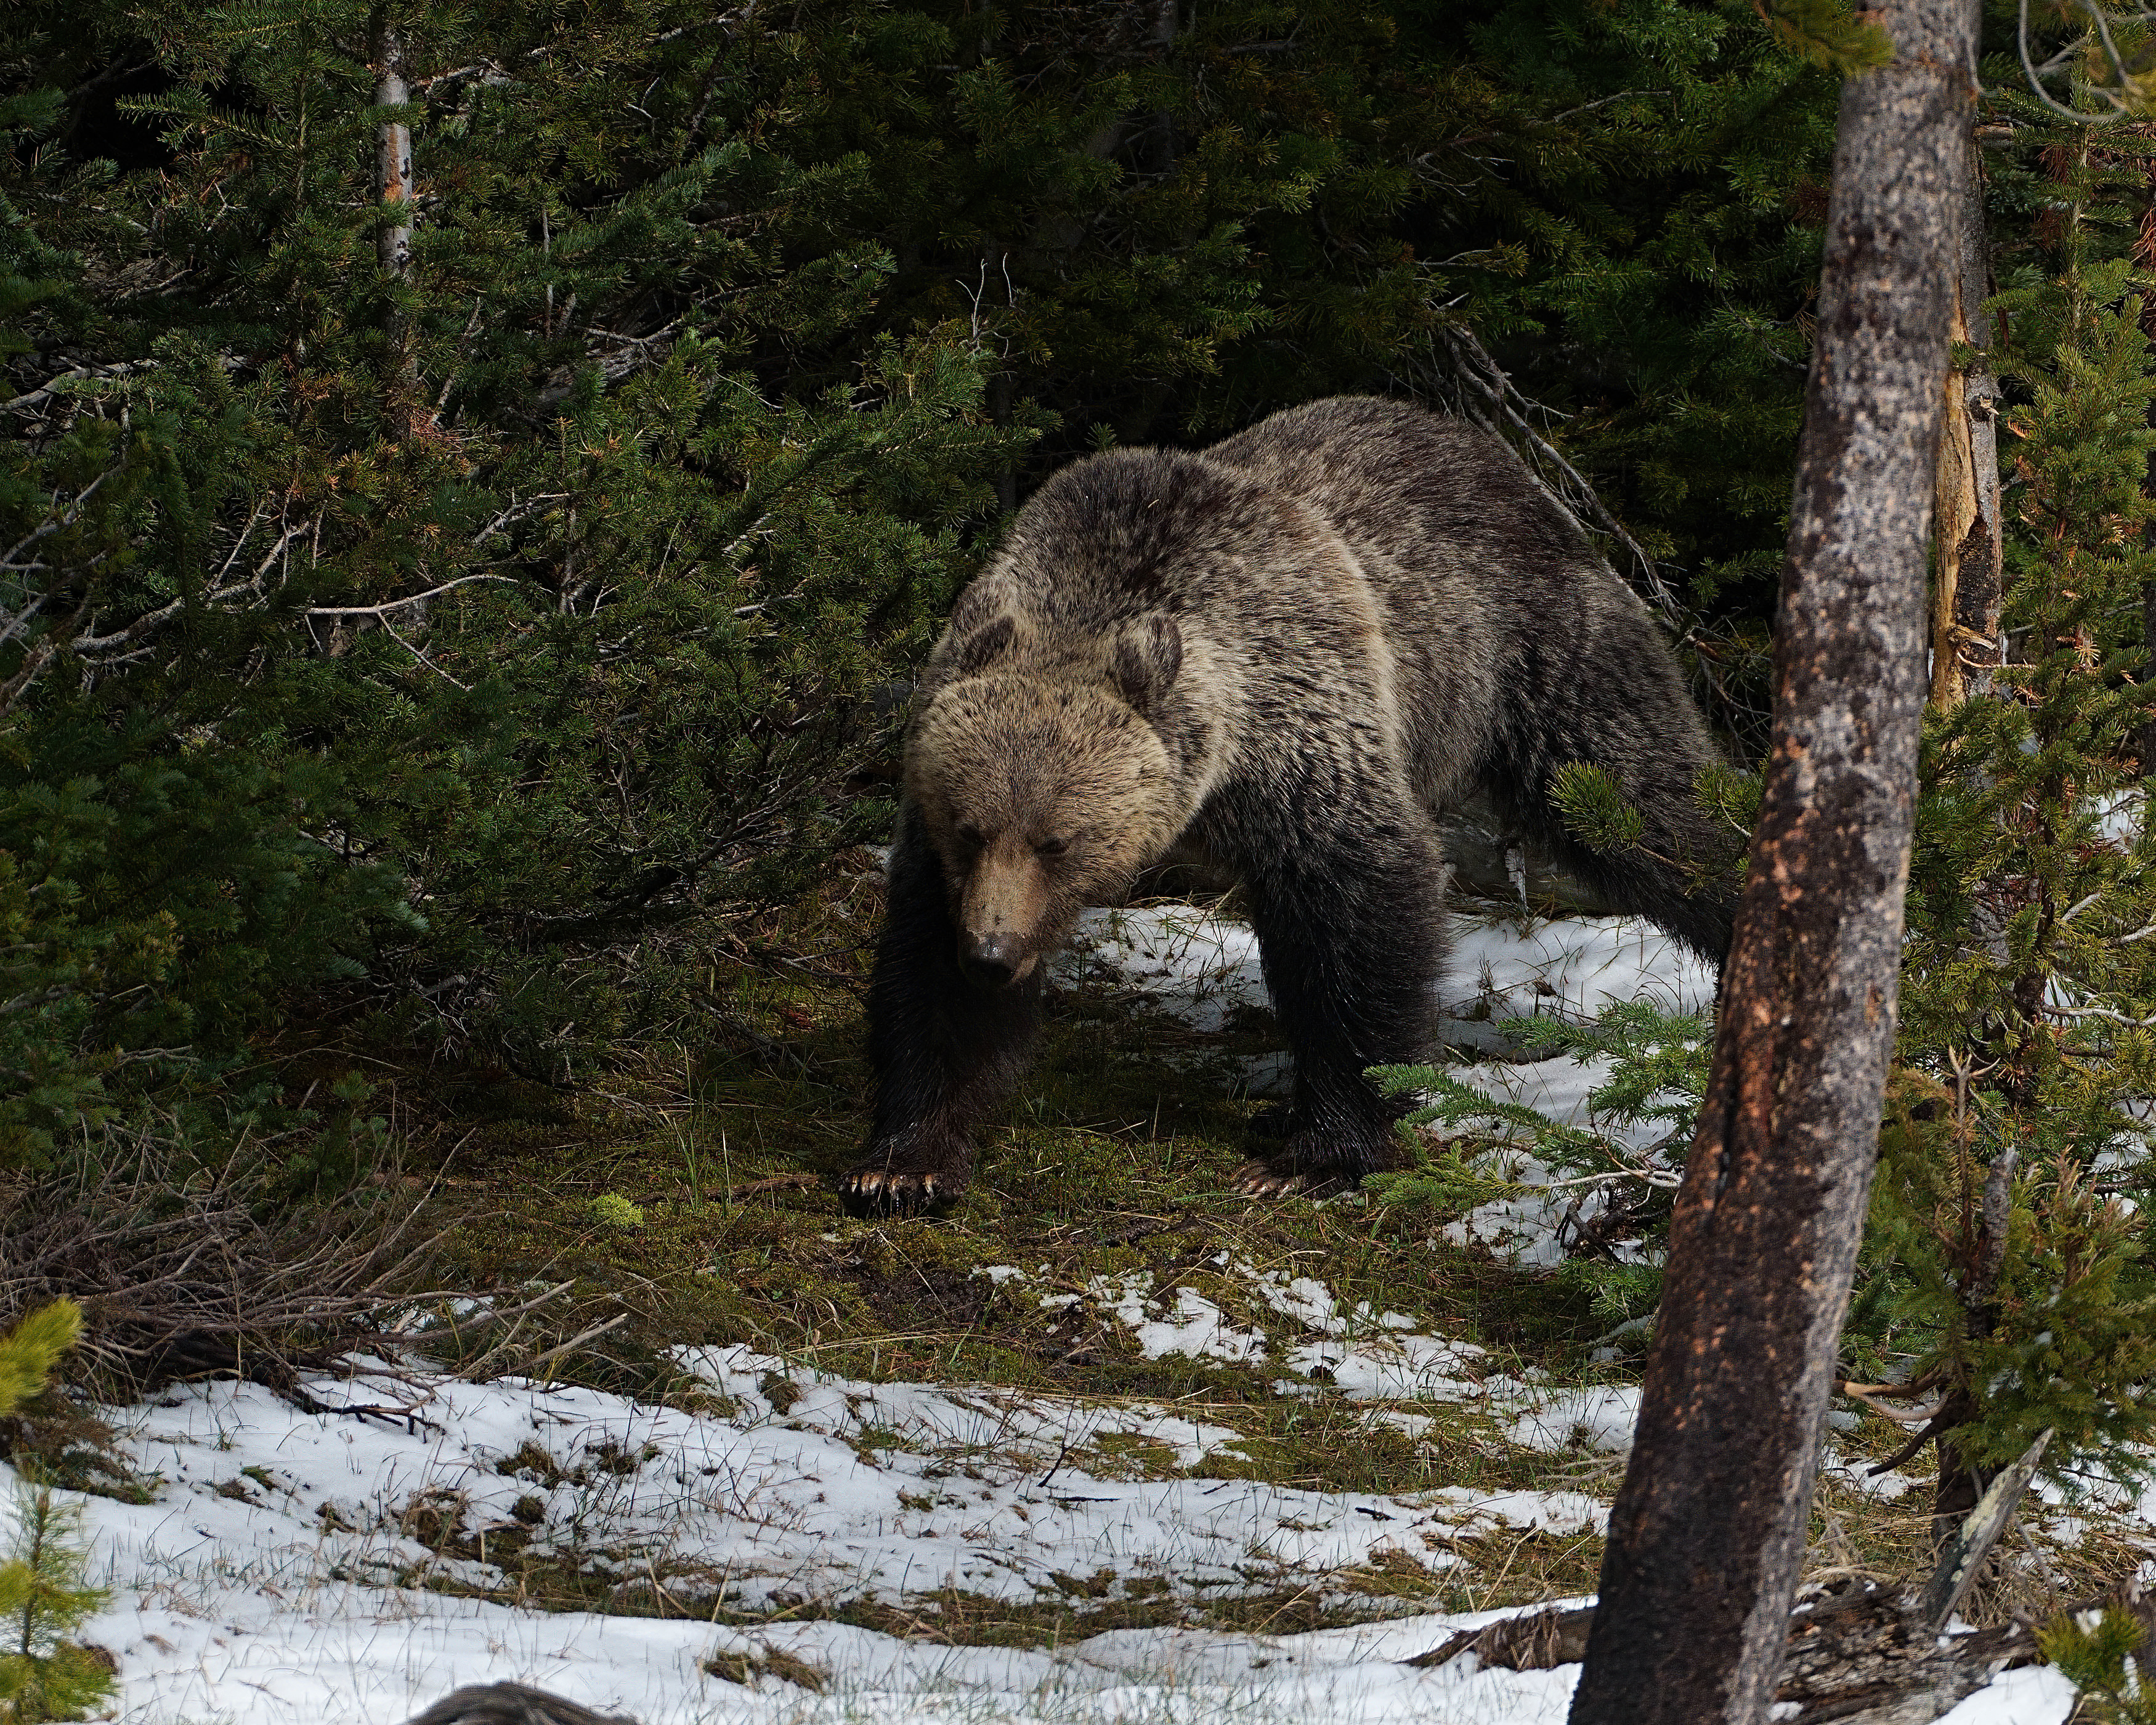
393	190
1708	1530
1968	579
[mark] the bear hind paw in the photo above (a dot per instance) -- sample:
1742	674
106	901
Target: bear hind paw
1314	1162
1286	1177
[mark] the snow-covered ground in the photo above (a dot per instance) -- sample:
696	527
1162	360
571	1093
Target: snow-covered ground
275	1579
1203	968
277	1576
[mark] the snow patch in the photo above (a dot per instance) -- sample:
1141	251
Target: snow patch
1601	1419
279	1575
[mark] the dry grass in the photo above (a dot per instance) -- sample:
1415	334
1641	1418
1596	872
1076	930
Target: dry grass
188	1272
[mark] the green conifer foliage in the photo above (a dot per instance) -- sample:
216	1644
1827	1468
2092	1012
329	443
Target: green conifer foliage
1630	221
43	1597
2095	1661
307	678
1167	220
2029	989
30	1351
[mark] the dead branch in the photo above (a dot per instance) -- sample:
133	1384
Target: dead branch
1857	1654
593	1334
1963	1555
1482	391
388	605
57	523
78	374
181	1279
1868	1393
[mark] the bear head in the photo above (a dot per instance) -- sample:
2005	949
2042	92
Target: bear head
1043	789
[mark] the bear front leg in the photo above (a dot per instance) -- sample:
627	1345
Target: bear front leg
945	1051
1350	931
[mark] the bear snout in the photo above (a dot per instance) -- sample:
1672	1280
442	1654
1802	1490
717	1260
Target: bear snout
1004	915
996	960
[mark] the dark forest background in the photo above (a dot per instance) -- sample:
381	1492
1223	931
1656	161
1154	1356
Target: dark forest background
438	636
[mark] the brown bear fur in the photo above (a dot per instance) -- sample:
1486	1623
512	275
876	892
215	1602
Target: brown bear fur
1286	654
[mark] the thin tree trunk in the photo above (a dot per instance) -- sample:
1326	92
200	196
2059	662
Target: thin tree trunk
394	189
1961	1481
1708	1533
2144	733
1156	150
1969	578
393	151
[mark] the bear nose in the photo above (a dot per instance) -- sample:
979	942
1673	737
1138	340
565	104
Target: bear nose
993	958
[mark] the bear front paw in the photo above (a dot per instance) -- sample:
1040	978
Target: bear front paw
904	1180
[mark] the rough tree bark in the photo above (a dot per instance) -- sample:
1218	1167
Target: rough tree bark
1708	1533
1969	578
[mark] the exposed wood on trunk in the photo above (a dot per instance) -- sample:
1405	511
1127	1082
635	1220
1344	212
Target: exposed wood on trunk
393	152
1968	579
1860	1655
1707	1531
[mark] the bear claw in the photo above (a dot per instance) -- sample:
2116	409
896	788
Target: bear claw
1281	1179
875	1189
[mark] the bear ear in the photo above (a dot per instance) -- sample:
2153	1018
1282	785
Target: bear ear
1147	654
985	645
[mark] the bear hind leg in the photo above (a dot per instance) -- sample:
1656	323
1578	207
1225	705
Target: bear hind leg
1635	721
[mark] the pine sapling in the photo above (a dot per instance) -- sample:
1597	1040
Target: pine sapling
43	1595
44	1599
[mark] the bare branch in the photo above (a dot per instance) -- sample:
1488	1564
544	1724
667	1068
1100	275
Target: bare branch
78	374
420	653
418	598
60	524
2034	73
1486	394
1868	1393
515	513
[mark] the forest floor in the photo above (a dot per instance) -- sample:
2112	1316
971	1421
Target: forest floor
1105	1442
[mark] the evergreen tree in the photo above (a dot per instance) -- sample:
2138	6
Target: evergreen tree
312	677
43	1597
2031	993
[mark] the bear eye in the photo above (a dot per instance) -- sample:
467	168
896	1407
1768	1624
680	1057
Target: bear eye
972	837
1052	847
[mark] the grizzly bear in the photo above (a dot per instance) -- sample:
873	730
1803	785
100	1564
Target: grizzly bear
1284	655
